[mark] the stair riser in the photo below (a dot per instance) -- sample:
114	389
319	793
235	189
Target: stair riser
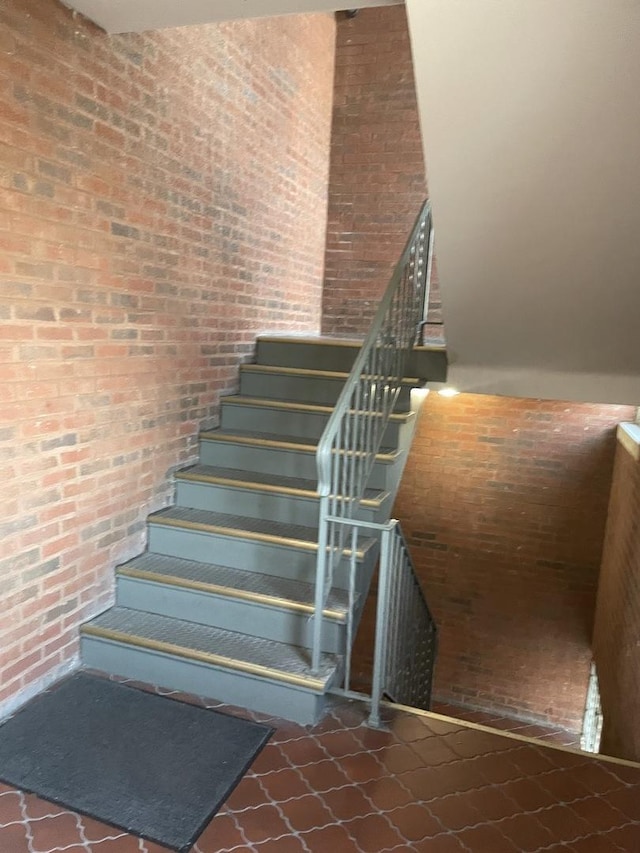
288	463
272	623
426	364
282	422
309	356
322	392
232	687
280	560
255	504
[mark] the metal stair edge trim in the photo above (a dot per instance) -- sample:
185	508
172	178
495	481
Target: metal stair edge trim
275	444
228	592
239	533
410	381
175	650
303	408
251	485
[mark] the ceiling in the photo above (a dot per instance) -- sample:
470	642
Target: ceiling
127	16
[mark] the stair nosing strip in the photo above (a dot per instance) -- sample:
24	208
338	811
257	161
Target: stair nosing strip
211	435
202	657
311	408
309	371
229	592
246	484
266	487
347	342
202	526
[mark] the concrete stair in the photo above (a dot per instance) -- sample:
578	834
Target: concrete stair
221	602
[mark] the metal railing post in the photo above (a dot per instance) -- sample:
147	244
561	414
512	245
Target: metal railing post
382	624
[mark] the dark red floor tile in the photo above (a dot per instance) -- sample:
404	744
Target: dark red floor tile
283	785
440	844
373	833
498	768
14	838
263	823
223	833
472	742
431	782
59	831
362	768
94	830
347	803
493	804
526	833
598	778
291	844
270	759
529	795
307	813
324	775
442	727
339	744
415	822
564	785
627	837
599	813
456	811
563	823
375	739
598	843
386	793
123	844
434	751
400	757
329	839
627	800
410	728
38	808
531	760
10	808
288	731
628	775
302	752
249	793
486	839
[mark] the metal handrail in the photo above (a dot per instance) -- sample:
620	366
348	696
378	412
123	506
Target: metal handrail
347	449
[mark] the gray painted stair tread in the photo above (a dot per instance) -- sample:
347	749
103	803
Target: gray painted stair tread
273	440
240	523
192	636
275	480
297	406
310	373
207	573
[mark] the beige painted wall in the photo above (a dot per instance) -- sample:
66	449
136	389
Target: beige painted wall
531	120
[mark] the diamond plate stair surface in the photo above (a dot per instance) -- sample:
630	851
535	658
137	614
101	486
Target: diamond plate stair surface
221	602
279	591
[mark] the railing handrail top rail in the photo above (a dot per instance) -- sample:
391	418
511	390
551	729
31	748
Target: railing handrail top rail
330	430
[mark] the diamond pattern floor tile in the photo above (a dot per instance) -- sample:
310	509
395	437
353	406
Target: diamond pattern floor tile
420	785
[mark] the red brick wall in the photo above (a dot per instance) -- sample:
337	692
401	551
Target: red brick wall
377	178
617	626
162	201
504	504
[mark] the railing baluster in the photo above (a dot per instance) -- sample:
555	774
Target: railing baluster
353	435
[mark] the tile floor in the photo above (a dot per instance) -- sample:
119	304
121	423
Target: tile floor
550	734
425	784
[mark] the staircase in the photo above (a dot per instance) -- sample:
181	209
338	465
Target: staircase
221	603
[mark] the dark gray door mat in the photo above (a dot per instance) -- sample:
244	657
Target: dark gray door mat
147	764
